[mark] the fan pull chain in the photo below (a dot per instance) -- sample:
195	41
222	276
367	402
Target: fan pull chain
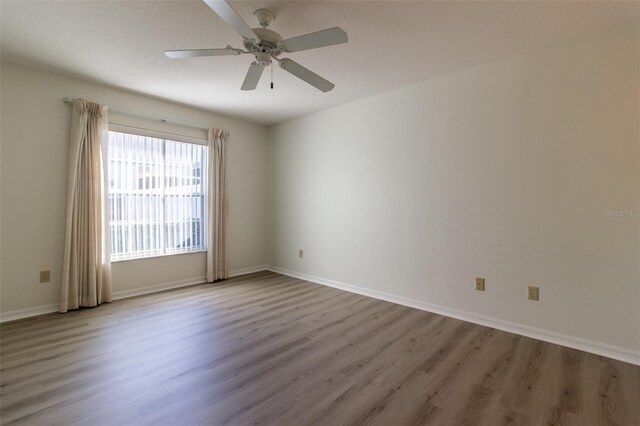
272	76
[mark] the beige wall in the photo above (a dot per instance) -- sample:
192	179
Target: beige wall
34	136
503	171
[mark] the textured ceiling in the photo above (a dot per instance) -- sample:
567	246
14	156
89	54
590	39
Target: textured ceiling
392	44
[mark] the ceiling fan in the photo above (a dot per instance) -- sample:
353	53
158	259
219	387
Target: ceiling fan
267	45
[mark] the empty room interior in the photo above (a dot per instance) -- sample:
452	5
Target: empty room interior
320	213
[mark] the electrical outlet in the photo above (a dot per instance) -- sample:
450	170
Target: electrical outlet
300	253
45	276
534	293
480	284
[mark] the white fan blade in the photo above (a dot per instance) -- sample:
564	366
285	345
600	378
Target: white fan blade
253	76
306	75
230	16
191	53
322	38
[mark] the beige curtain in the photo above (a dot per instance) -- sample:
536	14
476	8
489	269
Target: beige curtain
217	209
86	271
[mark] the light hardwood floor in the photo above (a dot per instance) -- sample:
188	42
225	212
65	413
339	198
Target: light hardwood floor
269	349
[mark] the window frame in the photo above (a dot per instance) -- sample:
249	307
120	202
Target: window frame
172	137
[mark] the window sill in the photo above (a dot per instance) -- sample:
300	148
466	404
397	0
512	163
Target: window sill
155	256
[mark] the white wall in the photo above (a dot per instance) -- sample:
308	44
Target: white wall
34	134
503	171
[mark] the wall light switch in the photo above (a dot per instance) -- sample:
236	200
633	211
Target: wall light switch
480	284
300	253
45	276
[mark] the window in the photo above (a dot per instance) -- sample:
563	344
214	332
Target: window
157	196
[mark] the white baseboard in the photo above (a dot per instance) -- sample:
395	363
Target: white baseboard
28	312
610	351
615	352
123	294
250	270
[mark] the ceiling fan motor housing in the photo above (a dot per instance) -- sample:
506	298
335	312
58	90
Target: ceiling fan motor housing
269	43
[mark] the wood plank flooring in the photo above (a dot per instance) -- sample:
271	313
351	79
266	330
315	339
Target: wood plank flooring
274	350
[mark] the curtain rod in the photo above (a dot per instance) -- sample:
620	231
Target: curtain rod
69	100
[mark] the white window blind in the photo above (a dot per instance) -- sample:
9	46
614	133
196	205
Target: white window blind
157	196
